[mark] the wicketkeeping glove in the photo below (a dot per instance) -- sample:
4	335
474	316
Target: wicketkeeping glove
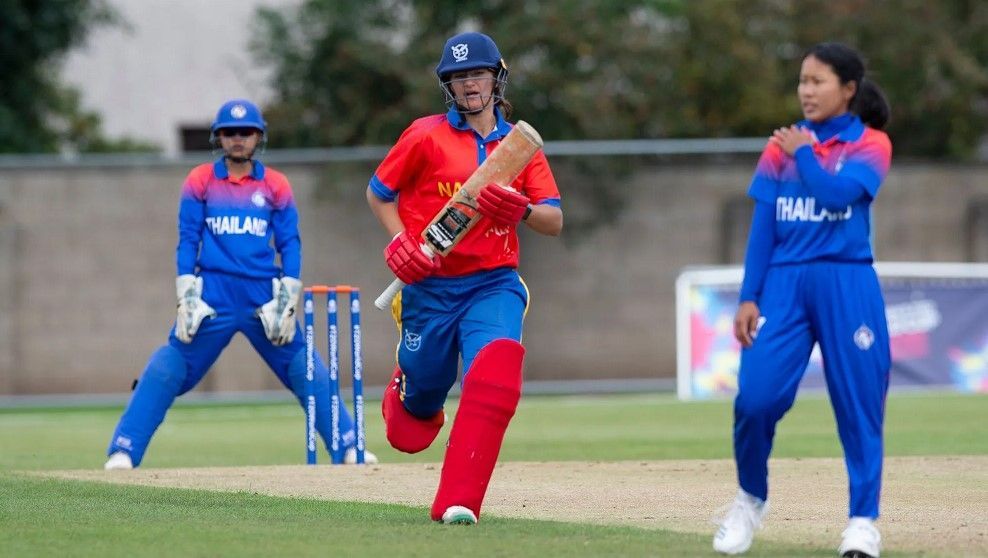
406	259
278	314
192	310
504	206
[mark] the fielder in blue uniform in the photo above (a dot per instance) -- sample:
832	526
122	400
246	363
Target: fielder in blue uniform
809	279
233	216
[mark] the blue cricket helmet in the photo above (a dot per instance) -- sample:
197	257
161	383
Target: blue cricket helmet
470	51
239	113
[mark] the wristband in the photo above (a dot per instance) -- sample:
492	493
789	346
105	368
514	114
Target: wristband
528	211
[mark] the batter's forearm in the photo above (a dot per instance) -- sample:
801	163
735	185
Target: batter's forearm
386	212
545	219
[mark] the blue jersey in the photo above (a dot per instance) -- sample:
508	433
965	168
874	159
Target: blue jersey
822	194
227	224
812	210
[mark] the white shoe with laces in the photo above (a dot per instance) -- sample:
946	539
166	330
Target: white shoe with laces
740	519
861	539
459	515
119	460
350	457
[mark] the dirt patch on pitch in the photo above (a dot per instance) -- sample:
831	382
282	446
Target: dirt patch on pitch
931	504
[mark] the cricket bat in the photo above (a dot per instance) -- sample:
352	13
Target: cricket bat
460	213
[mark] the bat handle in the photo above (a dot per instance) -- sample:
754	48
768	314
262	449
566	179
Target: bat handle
389	294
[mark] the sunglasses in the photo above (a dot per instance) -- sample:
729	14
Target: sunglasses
237	132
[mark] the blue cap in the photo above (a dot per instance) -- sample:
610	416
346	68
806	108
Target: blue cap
469	51
239	113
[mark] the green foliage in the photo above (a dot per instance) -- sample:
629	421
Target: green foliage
931	58
353	72
38	114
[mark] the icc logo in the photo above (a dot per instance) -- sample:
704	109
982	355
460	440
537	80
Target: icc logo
413	341
258	199
460	52
238	111
864	337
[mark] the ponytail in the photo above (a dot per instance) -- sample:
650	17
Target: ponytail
870	104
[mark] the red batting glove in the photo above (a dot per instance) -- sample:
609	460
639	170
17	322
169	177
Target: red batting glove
502	205
406	259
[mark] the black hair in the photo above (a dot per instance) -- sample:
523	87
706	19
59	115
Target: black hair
869	102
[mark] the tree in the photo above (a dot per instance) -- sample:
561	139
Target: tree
931	58
353	72
38	114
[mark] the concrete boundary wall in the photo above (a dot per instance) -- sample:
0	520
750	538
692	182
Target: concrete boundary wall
87	262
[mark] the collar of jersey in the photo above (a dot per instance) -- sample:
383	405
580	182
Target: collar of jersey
501	127
219	169
853	131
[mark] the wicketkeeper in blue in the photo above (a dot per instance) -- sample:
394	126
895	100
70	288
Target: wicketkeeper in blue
809	279
233	216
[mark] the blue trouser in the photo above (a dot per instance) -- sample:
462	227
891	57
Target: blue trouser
444	318
177	367
839	306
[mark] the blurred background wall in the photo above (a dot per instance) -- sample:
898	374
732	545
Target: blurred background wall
87	262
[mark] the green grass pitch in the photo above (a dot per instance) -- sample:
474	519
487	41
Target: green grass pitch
48	517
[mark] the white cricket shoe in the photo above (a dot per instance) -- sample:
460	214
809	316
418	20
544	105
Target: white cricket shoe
350	457
459	515
119	460
861	539
738	523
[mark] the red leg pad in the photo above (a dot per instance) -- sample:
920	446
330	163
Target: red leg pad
491	392
405	431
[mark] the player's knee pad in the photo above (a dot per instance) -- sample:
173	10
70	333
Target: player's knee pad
166	369
494	379
404	431
491	392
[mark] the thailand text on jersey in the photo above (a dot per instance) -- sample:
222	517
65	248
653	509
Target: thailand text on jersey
430	161
804	229
235	219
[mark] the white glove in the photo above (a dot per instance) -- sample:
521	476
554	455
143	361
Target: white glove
278	314
192	310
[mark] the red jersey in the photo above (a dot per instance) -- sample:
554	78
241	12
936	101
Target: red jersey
431	160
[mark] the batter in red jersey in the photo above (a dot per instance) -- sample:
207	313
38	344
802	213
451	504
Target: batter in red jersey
469	305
